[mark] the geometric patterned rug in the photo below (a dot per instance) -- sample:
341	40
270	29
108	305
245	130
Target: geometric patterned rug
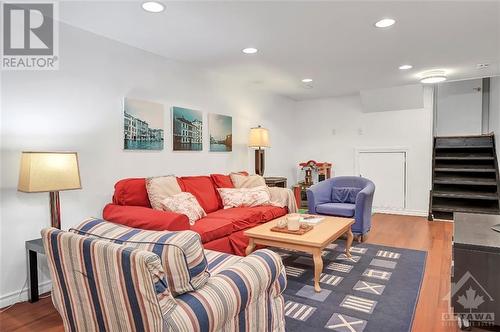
376	289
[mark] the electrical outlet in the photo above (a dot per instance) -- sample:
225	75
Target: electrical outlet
360	131
334	132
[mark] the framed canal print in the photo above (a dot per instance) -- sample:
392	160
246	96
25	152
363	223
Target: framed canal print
143	125
187	129
220	129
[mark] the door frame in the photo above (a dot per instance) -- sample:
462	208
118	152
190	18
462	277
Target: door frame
396	149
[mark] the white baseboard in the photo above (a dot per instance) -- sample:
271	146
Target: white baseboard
14	297
417	213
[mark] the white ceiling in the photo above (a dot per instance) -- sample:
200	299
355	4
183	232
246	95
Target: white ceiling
332	42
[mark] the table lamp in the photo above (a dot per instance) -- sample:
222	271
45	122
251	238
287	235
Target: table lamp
259	139
49	172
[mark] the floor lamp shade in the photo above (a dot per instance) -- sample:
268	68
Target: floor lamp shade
259	139
49	172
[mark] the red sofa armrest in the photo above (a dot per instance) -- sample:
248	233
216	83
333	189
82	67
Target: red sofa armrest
145	218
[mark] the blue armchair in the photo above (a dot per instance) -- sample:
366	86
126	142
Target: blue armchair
344	196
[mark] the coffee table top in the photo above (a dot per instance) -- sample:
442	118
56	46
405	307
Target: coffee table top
329	229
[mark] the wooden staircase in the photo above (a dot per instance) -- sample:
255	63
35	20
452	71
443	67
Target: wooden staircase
464	176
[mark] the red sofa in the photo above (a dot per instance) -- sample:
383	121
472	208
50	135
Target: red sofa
221	230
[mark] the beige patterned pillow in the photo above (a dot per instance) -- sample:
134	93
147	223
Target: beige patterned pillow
248	197
161	187
247	181
184	203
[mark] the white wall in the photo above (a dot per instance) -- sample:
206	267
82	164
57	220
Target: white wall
459	108
331	130
79	108
494	118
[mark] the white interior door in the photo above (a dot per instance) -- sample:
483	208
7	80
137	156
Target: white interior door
388	171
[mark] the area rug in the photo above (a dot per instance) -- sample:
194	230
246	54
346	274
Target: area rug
375	290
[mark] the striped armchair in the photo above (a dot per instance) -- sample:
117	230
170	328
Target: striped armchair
100	285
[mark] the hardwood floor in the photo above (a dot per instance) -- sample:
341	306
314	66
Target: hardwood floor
391	230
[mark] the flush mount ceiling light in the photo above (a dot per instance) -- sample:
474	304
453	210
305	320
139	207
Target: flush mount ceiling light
250	50
153	6
405	67
434	76
307	80
385	23
482	65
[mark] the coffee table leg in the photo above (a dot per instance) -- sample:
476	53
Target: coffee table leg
350	236
318	268
250	248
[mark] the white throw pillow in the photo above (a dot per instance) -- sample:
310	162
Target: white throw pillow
236	197
161	187
184	203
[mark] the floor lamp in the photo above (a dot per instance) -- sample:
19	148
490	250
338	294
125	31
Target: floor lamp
259	139
49	172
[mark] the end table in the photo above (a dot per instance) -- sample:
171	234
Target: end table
33	248
275	181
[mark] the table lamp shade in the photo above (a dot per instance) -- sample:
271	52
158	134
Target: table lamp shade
259	138
49	171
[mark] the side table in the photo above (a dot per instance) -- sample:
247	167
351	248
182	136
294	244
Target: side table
275	181
33	248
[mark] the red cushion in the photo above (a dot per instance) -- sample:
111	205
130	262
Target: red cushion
145	218
131	192
204	190
270	212
220	245
245	217
240	218
212	228
222	181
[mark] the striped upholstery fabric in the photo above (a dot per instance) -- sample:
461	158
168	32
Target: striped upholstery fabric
218	261
181	253
245	295
102	286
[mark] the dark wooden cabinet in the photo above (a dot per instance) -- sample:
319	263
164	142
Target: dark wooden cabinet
476	267
276	181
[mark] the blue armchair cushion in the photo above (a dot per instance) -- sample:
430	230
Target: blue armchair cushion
344	194
336	209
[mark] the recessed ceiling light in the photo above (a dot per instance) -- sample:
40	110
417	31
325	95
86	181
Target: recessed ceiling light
250	50
385	22
153	6
482	65
307	80
434	76
405	67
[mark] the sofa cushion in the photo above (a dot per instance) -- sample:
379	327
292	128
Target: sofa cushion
345	194
204	190
131	192
236	197
181	253
222	181
247	181
161	187
336	209
246	217
184	203
212	228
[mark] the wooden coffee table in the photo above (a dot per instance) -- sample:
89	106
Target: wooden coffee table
313	242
